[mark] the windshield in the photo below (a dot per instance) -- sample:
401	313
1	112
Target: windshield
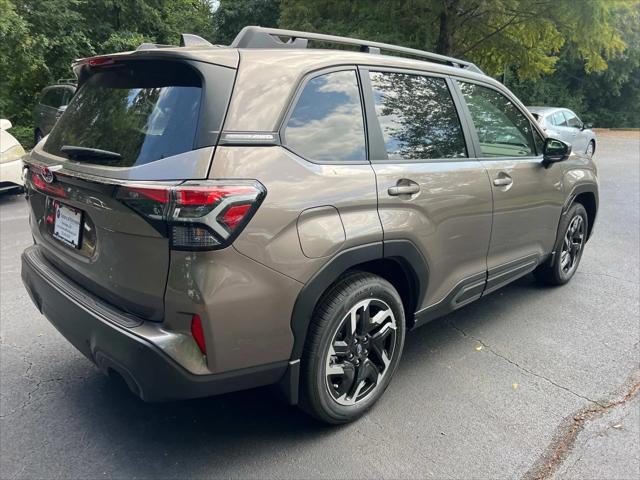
138	112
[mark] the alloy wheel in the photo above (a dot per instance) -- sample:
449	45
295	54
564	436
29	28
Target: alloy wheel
572	245
360	352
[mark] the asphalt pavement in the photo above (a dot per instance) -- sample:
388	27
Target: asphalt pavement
529	382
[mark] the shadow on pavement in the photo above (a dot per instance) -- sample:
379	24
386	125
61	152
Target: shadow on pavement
242	426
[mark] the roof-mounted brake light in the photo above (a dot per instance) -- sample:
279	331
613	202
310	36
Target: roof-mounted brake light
96	61
99	61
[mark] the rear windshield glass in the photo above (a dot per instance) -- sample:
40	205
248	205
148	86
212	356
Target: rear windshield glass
138	112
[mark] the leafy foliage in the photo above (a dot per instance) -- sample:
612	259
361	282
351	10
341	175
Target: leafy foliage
493	33
417	129
584	54
39	39
578	54
232	16
608	98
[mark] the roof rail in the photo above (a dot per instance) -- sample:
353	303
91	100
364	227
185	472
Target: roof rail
260	37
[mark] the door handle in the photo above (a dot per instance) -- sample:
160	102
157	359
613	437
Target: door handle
503	181
404	190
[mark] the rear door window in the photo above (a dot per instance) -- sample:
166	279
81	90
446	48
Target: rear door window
52	97
140	111
66	96
417	116
503	130
326	123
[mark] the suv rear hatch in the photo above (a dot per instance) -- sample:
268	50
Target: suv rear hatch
102	185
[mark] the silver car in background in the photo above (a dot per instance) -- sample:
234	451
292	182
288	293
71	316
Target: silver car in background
563	124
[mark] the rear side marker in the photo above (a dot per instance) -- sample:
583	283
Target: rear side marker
198	333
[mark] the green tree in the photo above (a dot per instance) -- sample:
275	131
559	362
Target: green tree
584	55
527	35
607	98
40	39
579	54
233	15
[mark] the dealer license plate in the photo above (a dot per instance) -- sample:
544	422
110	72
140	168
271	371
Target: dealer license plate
66	227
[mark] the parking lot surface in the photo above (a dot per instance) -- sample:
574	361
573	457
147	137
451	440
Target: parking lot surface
529	382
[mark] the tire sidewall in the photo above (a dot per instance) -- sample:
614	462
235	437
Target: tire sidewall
376	288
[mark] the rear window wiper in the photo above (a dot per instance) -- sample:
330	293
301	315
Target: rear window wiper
86	152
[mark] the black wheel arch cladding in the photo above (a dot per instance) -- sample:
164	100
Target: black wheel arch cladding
404	252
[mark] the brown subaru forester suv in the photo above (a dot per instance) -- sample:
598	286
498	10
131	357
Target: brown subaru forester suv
214	218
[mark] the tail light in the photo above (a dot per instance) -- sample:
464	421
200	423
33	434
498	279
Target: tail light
200	216
36	180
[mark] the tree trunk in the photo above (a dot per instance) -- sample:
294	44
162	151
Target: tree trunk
445	36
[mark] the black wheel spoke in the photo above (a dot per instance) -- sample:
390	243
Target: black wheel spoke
357	385
378	342
371	372
341	348
365	320
346	380
366	379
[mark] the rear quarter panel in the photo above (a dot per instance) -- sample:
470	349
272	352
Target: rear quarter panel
295	185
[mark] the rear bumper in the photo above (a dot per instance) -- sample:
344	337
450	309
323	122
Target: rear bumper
116	341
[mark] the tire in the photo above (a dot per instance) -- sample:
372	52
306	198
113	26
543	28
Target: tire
572	230
344	373
37	136
591	149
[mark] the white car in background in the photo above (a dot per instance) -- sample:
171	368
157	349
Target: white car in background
11	153
563	124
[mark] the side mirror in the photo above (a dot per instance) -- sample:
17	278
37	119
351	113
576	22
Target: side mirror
5	124
587	126
555	150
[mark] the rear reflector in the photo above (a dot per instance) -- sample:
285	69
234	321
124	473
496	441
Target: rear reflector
234	215
198	333
200	215
158	194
